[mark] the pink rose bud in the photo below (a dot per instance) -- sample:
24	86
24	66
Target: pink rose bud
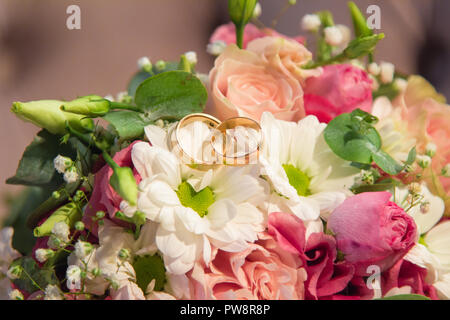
341	88
371	230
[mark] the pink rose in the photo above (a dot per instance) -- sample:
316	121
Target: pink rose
227	34
243	84
326	278
262	271
103	197
341	88
428	121
371	230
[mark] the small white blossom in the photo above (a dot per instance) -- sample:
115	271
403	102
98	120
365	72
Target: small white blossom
62	231
346	35
54	243
71	175
374	69
14	272
333	36
83	249
53	292
191	56
387	72
216	48
144	64
62	163
43	255
446	170
16	295
401	84
310	22
424	161
73	275
109	97
122	96
430	149
257	11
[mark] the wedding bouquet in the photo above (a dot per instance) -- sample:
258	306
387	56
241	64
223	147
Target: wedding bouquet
320	176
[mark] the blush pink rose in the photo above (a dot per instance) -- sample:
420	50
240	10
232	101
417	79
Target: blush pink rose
227	34
103	197
341	88
263	271
326	277
243	84
371	230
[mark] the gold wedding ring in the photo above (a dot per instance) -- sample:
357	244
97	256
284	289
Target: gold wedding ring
235	141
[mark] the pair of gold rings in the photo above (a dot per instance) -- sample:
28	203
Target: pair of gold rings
204	141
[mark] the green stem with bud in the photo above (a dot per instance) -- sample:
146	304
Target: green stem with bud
124	106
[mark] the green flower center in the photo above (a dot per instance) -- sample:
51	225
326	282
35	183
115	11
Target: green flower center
422	241
197	201
298	179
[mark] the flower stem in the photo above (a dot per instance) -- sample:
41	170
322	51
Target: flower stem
124	106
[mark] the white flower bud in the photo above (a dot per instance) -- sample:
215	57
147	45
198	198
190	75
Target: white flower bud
124	254
14	272
144	64
374	69
83	249
333	36
191	57
430	149
73	275
160	65
387	72
54	242
257	11
16	295
446	170
71	175
346	34
62	163
52	292
310	22
400	84
414	188
424	161
216	48
43	255
124	97
61	230
109	97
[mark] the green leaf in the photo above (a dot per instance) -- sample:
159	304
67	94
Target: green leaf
361	46
171	95
127	124
386	162
405	297
140	76
383	185
388	90
349	144
36	166
411	156
359	21
148	268
41	276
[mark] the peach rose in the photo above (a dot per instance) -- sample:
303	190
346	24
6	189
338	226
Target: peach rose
263	271
286	55
243	84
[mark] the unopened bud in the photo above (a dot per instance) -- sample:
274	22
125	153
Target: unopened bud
14	272
446	170
430	149
61	163
43	255
79	225
333	36
311	22
414	188
56	194
216	48
387	72
91	106
100	214
160	65
424	161
257	11
144	64
124	254
123	182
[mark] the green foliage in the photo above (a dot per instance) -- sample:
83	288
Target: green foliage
382	185
68	213
171	95
148	268
388	90
127	124
40	277
359	21
241	11
352	137
405	297
140	76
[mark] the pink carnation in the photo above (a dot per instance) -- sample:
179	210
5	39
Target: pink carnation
371	230
339	89
227	34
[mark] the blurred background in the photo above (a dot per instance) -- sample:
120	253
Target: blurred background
40	58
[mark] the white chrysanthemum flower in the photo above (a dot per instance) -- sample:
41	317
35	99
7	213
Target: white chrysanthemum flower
71	175
195	209
333	36
53	292
216	48
61	230
83	249
307	177
310	22
73	275
62	163
392	129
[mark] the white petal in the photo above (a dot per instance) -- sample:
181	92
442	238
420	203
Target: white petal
221	212
437	240
156	135
190	220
